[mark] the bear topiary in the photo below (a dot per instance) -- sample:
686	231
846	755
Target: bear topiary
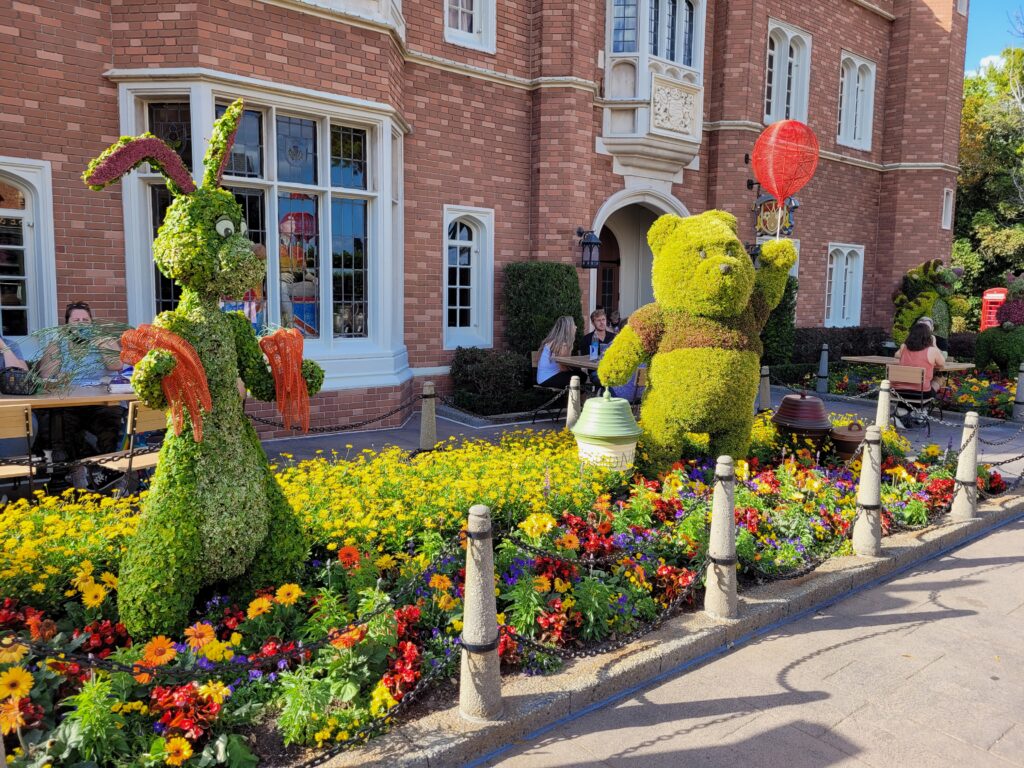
701	335
214	512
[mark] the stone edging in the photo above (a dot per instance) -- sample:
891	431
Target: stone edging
444	739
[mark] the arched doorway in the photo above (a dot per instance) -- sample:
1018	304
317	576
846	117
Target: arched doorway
623	282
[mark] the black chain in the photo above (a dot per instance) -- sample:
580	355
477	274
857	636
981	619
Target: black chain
345	427
451	404
1010	439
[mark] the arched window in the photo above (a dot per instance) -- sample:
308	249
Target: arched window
27	262
468	277
843	285
787	73
856	101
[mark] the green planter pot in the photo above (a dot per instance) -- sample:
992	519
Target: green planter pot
606	432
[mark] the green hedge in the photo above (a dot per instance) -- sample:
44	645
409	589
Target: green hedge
489	382
1002	348
536	294
779	334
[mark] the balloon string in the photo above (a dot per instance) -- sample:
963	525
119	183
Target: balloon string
778	220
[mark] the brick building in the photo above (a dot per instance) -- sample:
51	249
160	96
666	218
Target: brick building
394	158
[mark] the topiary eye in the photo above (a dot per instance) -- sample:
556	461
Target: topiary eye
225	227
703	253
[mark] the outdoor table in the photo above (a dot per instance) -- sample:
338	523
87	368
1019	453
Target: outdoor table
947	367
578	361
70	398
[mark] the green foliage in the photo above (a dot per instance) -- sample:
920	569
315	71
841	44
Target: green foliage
92	730
307	697
701	336
214	513
526	606
487	381
594	602
1002	348
536	294
989	224
908	313
779	335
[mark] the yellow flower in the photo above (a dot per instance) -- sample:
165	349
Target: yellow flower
541	584
381	700
215	691
178	751
561	586
11	651
288	594
93	595
15	683
384	562
109	579
537	524
258	607
444	601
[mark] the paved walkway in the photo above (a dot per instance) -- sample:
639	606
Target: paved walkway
925	670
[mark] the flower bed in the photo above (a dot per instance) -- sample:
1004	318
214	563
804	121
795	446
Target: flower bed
988	393
581	558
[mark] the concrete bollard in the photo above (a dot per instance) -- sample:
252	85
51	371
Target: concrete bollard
575	405
764	392
1018	403
480	678
428	417
867	529
822	385
884	405
720	592
965	492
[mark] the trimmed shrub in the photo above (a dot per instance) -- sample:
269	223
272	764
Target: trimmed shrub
1004	349
536	294
961	345
487	382
841	341
779	334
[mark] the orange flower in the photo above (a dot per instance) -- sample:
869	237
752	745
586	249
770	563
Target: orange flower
11	717
199	635
348	557
349	638
158	651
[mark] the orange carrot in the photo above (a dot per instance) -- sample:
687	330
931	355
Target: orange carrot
283	349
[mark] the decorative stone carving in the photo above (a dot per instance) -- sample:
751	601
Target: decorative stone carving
674	108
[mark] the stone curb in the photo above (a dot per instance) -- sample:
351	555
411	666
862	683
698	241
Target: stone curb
531	703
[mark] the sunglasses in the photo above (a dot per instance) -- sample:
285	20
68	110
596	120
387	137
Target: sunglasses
79	305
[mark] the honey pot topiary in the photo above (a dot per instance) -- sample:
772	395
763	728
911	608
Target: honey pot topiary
214	512
701	335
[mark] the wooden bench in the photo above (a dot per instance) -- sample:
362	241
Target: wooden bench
16	423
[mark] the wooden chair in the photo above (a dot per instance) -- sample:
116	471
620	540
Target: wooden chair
16	423
141	419
556	407
907	381
638	391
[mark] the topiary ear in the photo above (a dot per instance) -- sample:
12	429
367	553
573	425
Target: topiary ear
132	151
723	217
662	230
221	141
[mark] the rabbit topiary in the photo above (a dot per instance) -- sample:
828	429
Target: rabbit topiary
214	512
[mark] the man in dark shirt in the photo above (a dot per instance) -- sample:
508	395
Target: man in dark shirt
600	332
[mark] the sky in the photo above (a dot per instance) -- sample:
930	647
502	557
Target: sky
988	31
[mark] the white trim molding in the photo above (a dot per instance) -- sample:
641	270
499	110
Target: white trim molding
35	177
787	76
379	15
480	332
375	357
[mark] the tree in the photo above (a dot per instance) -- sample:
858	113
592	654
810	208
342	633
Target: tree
989	226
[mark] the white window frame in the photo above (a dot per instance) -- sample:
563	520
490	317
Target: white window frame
35	179
948	199
843	307
481	331
797	89
961	7
856	101
663	32
794	271
483	38
381	358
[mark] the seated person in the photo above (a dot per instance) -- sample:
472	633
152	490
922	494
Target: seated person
615	322
75	355
941	343
10	357
558	342
920	351
600	332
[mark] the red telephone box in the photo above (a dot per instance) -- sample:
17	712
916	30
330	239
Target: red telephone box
991	301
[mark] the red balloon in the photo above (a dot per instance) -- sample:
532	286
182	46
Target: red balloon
785	157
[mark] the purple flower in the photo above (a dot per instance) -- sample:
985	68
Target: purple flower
159	728
272	677
204	664
255	674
